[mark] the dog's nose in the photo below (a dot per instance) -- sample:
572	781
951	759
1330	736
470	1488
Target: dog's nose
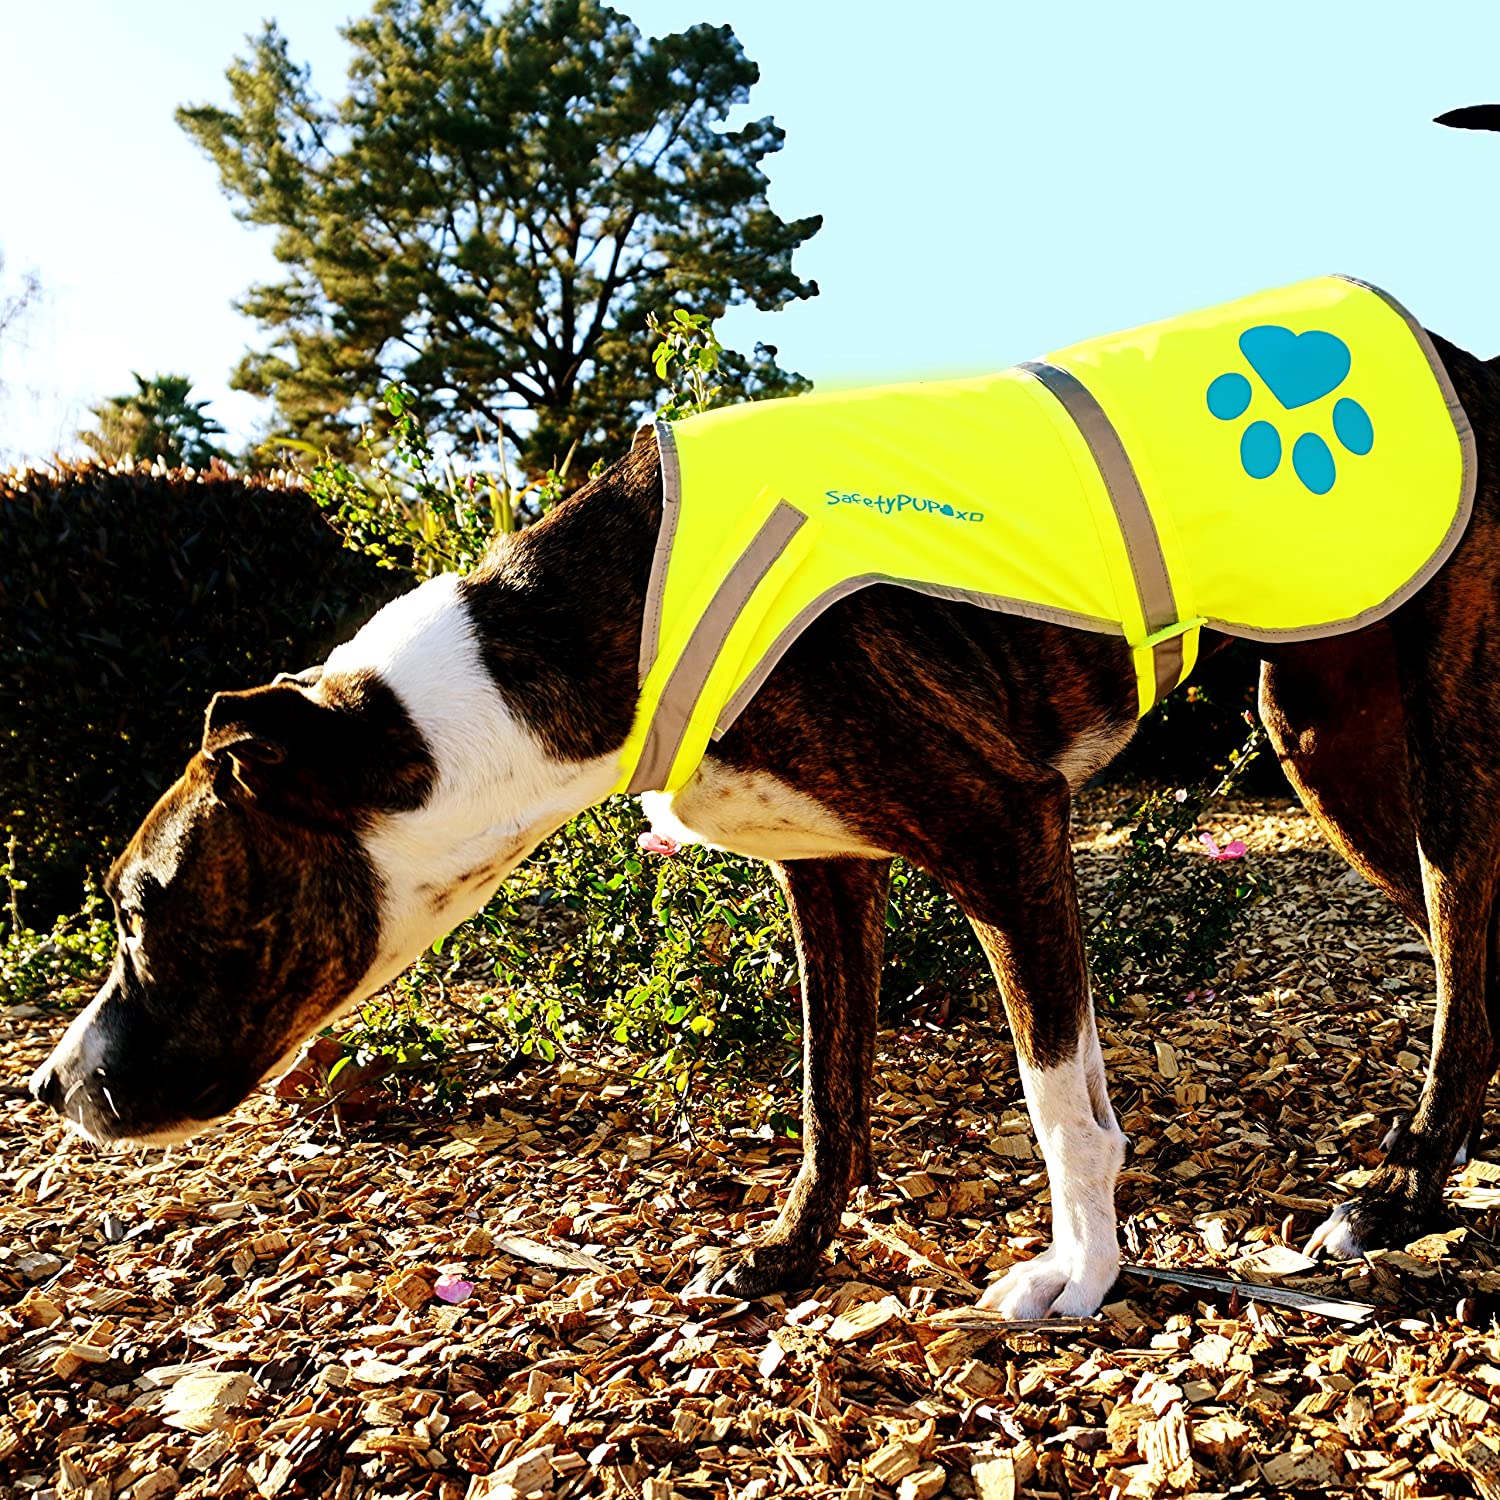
46	1086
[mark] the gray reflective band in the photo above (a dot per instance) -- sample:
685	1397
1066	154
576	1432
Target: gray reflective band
671	508
1153	584
674	709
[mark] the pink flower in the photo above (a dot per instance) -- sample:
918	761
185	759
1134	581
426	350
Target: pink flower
1180	795
451	1289
1234	849
657	843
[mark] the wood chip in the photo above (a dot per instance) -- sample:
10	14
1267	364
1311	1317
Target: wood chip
37	1310
914	1248
409	1288
999	1478
1167	1449
893	1462
1476	1457
922	1483
861	1321
203	1403
916	1185
536	1254
1304	1469
1275	1260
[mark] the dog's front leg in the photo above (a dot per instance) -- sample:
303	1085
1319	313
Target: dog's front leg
838	918
1020	896
1084	1149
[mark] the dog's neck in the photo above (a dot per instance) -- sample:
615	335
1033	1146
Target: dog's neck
522	679
558	610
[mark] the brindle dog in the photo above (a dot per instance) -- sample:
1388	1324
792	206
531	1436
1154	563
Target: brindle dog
332	826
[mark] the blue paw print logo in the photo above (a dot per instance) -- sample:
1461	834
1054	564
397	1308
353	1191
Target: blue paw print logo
1298	369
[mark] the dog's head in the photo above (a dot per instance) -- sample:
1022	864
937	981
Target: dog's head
248	909
328	830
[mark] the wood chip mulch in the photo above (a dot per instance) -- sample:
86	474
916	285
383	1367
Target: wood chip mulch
487	1308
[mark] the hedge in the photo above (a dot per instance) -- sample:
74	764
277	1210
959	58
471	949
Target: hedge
127	597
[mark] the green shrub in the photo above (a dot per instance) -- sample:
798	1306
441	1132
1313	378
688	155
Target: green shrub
56	966
127	598
678	960
411	512
1166	914
932	958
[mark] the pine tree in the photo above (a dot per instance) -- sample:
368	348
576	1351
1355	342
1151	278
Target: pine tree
491	213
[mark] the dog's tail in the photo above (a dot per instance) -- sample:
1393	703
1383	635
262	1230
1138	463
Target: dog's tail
1472	117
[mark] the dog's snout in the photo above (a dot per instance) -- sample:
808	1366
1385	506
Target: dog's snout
46	1087
115	1076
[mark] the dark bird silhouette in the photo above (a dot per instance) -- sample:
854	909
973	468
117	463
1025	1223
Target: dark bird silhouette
1472	117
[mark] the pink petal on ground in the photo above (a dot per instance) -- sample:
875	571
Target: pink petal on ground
451	1289
1209	843
1235	849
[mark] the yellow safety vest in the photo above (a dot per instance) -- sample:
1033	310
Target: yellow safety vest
1291	465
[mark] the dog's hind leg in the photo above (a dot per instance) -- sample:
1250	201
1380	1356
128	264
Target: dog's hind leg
1333	713
838	919
1451	717
1020	896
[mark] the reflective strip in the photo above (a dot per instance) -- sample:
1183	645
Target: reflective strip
1148	566
679	698
671	508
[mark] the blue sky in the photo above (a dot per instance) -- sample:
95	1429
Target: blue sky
996	179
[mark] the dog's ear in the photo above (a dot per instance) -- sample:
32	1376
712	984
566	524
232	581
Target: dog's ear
267	726
332	758
281	748
1472	117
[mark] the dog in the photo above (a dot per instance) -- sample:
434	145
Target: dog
333	825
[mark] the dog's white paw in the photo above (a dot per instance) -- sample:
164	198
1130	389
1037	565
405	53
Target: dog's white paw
1335	1238
1053	1285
